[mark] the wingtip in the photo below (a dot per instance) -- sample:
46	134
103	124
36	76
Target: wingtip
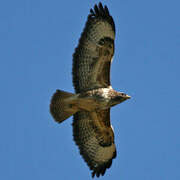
101	169
100	11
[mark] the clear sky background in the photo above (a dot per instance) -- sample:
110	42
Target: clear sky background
37	40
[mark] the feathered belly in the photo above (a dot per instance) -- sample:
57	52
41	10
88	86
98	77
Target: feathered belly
97	99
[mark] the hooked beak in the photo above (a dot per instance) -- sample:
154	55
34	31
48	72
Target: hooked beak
127	96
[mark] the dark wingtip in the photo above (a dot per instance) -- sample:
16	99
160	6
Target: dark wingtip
101	12
91	11
100	170
100	5
96	9
93	173
106	9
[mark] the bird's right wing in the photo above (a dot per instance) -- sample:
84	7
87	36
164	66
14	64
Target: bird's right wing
95	138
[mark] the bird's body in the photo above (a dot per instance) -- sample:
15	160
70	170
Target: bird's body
94	96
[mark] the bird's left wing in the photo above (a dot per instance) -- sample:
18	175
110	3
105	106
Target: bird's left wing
95	138
93	55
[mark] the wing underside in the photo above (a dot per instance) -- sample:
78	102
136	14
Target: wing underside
93	55
95	138
91	70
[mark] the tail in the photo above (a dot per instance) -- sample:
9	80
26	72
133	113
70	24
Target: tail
61	106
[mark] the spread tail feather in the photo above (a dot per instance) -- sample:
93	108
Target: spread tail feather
61	106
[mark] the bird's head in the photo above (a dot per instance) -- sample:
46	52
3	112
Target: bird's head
119	98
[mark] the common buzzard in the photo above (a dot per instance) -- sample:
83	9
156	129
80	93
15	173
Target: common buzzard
94	96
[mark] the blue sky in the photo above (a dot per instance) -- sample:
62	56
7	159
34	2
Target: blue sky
37	40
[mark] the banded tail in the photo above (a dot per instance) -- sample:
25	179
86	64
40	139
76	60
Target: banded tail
61	106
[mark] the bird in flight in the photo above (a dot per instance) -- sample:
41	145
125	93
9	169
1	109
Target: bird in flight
94	96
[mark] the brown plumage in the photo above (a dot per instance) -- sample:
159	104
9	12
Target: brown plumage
93	55
94	96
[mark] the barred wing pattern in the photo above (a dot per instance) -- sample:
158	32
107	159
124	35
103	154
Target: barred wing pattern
91	69
91	65
93	134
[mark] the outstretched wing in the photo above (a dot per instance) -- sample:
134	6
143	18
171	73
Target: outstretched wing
95	138
93	55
